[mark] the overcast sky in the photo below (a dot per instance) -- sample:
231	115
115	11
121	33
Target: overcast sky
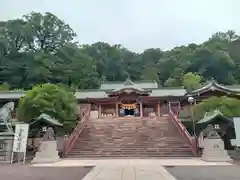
136	24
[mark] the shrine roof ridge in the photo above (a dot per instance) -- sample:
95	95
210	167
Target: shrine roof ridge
128	82
213	85
135	82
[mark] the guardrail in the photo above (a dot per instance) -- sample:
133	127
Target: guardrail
69	141
191	140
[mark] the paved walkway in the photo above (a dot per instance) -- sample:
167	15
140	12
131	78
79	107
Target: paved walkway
124	162
26	172
129	173
130	169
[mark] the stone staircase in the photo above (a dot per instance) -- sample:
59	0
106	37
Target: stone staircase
130	137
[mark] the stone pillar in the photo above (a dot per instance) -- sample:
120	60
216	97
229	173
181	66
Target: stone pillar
141	109
158	108
99	111
117	110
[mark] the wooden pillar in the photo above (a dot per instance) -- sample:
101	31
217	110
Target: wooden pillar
158	108
117	110
99	111
141	109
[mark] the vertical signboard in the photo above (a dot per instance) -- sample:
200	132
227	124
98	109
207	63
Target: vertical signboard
236	121
20	140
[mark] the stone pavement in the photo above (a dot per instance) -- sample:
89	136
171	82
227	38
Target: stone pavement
131	169
123	162
205	172
26	172
129	173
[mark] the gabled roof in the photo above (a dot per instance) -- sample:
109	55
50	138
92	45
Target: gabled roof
214	86
210	116
128	86
47	120
119	85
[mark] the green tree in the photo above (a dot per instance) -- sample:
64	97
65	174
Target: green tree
46	32
170	82
4	87
52	100
77	67
191	81
38	48
150	73
230	107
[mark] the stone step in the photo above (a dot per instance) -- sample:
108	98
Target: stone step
130	138
130	152
118	151
109	144
129	155
129	147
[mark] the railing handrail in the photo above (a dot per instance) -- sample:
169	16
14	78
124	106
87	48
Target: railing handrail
76	132
191	140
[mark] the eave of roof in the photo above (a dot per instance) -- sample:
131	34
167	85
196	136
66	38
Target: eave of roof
211	86
48	120
157	92
210	116
11	94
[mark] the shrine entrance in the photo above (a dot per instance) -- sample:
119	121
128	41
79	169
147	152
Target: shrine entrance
129	112
129	109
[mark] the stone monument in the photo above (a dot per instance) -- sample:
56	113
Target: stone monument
214	147
48	149
6	131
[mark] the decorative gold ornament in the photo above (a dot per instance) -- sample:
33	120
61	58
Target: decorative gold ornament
128	106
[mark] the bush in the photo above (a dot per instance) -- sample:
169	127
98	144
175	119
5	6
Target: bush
50	99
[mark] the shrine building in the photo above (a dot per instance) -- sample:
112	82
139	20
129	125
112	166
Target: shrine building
134	119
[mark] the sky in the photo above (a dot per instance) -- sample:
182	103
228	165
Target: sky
136	24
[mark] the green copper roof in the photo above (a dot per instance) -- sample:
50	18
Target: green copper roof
168	92
128	82
154	93
48	120
210	116
90	94
150	87
128	87
213	85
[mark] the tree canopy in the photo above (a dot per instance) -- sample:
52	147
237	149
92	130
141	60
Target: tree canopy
40	48
191	81
50	99
230	107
